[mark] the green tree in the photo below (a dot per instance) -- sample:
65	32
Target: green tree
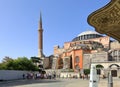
86	71
5	61
21	63
25	64
2	66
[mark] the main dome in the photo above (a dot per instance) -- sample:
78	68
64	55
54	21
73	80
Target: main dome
87	35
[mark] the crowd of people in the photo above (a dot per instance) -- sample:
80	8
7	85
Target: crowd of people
39	76
50	75
53	75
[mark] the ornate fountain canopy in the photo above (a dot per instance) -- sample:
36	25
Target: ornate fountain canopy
107	19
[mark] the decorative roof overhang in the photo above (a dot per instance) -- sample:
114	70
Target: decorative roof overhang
107	19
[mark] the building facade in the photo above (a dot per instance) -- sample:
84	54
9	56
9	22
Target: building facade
72	54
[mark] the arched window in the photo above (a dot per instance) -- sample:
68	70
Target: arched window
77	60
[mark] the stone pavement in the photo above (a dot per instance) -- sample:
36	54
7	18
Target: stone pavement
104	82
78	83
101	83
67	82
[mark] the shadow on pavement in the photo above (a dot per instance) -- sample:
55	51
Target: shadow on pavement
25	82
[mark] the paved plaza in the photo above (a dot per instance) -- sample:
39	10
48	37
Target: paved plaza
56	83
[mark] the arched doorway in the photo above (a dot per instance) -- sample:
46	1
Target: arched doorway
99	68
114	68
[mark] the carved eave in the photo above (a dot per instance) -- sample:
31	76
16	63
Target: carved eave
107	19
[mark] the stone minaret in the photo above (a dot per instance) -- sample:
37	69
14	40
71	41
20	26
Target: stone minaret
40	38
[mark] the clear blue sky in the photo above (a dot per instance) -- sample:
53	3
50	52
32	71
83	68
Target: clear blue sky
62	21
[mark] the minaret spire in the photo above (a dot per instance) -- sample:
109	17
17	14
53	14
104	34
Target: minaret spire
40	21
40	38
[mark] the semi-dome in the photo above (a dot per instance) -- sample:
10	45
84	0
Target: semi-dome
87	35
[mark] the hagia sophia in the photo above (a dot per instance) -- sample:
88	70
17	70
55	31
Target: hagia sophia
85	49
73	52
85	43
89	47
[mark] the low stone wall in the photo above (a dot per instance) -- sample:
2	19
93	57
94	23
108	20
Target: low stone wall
11	74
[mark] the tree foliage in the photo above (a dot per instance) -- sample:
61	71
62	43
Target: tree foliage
86	71
6	59
21	63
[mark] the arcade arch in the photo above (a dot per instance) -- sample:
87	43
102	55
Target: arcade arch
99	68
109	67
114	69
